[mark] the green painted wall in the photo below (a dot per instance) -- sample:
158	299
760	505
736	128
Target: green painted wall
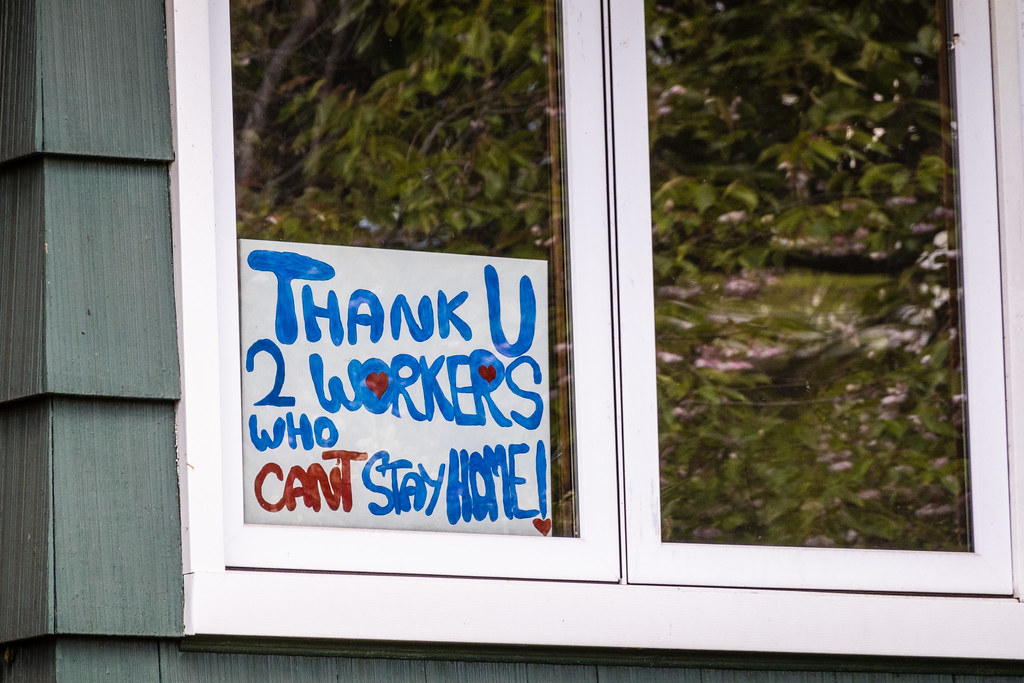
90	547
89	517
87	659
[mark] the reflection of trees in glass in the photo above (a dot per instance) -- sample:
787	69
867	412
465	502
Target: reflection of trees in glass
417	124
428	125
807	350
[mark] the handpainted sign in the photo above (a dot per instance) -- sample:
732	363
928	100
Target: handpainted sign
394	390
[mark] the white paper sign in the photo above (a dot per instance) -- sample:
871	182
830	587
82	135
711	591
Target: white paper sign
394	390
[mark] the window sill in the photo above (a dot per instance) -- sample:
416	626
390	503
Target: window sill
546	613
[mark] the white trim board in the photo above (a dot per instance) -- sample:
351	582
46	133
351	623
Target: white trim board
587	615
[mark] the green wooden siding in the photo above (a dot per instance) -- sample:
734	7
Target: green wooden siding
84	77
110	318
20	115
33	660
26	532
90	538
116	527
88	659
103	70
23	273
86	250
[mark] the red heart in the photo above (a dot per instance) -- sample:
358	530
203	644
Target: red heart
487	372
542	525
377	382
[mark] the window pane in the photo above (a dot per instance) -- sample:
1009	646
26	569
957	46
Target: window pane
806	275
423	126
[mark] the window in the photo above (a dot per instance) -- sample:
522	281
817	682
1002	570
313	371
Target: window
616	581
820	423
590	551
440	143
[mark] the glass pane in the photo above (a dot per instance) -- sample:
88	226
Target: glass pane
806	275
422	126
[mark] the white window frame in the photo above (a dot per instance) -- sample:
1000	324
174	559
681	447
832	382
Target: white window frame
592	556
221	599
985	570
